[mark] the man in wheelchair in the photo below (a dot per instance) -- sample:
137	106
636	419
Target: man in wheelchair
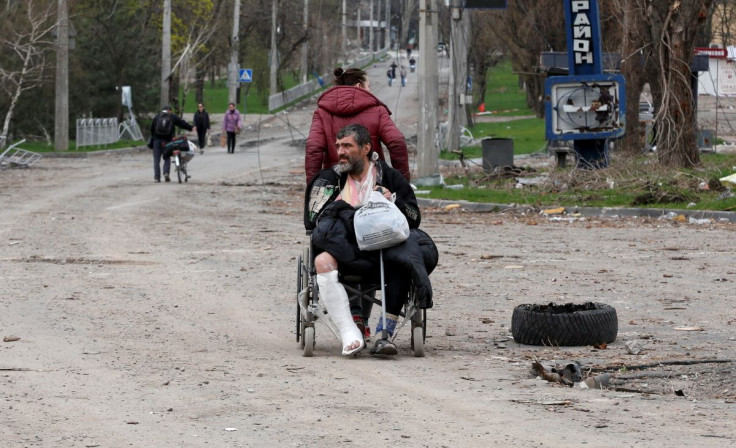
332	198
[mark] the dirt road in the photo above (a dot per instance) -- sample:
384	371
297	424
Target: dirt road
162	315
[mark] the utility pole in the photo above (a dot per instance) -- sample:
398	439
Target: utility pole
358	29
273	86
61	119
387	34
370	33
428	154
233	67
305	45
459	35
166	54
344	33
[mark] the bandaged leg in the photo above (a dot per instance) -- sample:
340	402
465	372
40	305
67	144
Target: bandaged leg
335	298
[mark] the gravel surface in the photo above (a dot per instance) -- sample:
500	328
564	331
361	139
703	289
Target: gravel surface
157	315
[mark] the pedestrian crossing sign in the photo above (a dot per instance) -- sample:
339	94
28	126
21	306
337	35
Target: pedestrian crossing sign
246	75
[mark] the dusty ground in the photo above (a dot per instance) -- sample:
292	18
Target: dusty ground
161	315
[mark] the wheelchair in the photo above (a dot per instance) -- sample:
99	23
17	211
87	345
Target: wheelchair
309	309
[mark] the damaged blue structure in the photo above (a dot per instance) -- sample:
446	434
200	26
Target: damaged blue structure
587	106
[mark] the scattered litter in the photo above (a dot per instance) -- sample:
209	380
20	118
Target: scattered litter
13	243
452	207
571	372
514	266
700	221
455	187
633	347
545	403
689	328
553	211
730	179
422	192
598	382
231	429
539	180
450	331
552	377
11	339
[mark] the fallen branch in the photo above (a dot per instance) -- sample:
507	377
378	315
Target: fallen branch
549	376
676	362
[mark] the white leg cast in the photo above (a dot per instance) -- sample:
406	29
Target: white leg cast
335	298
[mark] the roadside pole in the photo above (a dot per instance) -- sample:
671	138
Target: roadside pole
166	54
232	72
428	172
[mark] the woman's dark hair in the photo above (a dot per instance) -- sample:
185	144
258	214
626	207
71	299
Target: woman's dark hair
349	77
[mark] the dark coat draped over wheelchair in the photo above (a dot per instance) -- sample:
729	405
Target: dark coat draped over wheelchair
331	222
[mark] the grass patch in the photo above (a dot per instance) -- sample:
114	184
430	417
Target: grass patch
215	100
46	147
637	182
504	96
527	134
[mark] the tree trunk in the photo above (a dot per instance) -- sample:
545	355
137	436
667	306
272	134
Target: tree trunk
200	73
674	28
635	38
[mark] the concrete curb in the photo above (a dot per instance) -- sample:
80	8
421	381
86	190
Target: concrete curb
601	212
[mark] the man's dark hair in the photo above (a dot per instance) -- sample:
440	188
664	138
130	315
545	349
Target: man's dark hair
358	132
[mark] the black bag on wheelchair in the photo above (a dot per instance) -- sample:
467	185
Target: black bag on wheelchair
180	143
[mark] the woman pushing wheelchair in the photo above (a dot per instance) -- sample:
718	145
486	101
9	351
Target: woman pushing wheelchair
332	199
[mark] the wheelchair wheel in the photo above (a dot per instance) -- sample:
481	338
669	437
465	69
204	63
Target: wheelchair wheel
417	341
308	341
299	280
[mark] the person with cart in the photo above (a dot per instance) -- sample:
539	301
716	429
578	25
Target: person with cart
163	129
358	173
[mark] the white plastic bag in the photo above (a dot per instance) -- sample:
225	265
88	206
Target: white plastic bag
379	224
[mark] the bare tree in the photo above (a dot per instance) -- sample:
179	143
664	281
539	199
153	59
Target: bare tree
635	40
525	29
409	9
27	36
722	20
673	28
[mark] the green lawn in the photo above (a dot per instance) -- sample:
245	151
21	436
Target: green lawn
45	147
527	133
216	100
505	98
503	94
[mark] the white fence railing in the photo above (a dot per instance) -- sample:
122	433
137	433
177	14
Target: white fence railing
281	99
97	131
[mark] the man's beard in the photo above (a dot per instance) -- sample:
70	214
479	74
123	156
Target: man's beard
350	166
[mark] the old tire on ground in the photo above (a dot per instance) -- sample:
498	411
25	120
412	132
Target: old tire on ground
564	325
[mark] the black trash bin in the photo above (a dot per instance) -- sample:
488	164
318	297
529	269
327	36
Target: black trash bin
497	152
